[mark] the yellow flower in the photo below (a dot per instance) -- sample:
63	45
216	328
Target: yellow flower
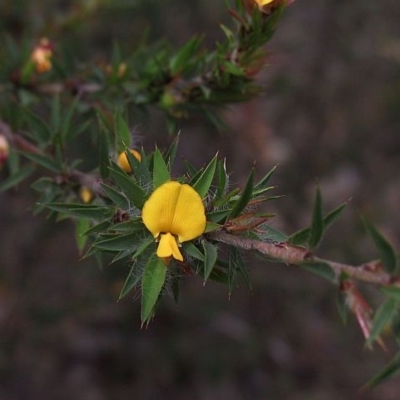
123	162
174	214
41	56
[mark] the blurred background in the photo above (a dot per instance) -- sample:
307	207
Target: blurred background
330	115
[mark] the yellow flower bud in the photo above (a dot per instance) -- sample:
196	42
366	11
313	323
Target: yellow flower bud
86	194
4	150
123	162
41	56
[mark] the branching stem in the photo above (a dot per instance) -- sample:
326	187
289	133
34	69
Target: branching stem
370	272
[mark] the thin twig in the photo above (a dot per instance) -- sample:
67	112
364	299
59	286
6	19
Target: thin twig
295	255
19	142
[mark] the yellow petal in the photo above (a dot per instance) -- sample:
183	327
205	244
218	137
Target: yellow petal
123	162
177	209
189	218
263	2
168	247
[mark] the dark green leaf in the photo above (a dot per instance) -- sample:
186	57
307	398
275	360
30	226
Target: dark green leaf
116	197
223	179
67	119
55	115
210	257
179	62
134	193
152	283
160	169
236	258
38	128
122	133
386	251
264	180
133	278
16	178
317	222
334	215
244	198
319	268
391	291
81	210
190	249
342	305
118	243
203	183
143	247
227	198
391	370
81	226
170	155
45	162
302	236
217	216
98	228
104	156
382	318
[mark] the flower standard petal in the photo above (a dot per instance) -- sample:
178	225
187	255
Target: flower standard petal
189	219
158	211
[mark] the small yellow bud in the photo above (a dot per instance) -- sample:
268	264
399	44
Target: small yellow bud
4	150
123	162
41	56
86	194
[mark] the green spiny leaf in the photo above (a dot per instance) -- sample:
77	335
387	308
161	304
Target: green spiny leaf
131	280
170	154
152	283
160	170
222	179
392	292
16	178
203	183
391	370
116	197
382	318
244	198
190	249
236	258
317	222
81	210
43	161
118	242
81	226
210	257
38	128
134	192
386	251
122	133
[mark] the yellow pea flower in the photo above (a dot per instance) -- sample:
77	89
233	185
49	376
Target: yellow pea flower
123	162
41	56
174	213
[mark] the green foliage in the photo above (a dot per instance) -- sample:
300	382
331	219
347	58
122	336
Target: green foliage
385	249
69	124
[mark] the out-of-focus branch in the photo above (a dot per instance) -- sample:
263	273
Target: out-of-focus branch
369	272
19	142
